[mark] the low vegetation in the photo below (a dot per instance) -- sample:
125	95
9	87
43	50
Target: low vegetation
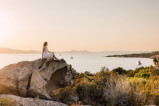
8	102
117	87
141	55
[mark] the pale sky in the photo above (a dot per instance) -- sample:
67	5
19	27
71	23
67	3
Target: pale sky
94	25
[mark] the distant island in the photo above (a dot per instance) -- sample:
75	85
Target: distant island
4	50
15	51
77	51
138	55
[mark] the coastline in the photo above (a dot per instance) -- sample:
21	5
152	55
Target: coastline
150	55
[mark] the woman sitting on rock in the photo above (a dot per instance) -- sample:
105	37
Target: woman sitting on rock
47	54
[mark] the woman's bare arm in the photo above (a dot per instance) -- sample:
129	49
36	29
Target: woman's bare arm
49	51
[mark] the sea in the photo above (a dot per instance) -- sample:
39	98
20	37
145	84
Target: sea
83	61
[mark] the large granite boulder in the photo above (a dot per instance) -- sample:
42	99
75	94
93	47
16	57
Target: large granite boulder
20	101
35	78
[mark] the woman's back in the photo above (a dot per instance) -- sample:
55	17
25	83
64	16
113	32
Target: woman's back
45	50
47	54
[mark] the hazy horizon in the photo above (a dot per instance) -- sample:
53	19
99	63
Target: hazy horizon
103	25
10	50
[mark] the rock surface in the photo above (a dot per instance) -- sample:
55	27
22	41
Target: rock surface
35	78
31	101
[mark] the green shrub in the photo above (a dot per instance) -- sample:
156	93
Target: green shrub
155	73
79	75
119	70
130	74
67	95
90	94
144	73
87	73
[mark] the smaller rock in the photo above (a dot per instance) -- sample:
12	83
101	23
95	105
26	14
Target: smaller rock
20	101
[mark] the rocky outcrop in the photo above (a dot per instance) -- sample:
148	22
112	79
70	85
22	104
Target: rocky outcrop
19	101
35	78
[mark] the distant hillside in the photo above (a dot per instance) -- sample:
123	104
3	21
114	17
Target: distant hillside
14	51
80	51
139	55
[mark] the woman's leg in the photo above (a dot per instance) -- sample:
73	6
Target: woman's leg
55	57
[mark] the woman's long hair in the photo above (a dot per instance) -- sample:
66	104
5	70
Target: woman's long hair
44	45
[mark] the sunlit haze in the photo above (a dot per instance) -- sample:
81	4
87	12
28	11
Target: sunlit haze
93	25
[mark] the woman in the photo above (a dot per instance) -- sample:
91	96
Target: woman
46	53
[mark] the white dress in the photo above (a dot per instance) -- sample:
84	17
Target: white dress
46	54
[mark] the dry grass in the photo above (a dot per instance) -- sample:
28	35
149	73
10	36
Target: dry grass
117	90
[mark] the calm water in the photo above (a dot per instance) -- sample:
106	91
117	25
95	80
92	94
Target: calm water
82	61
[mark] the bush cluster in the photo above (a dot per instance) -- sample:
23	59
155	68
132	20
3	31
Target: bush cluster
117	87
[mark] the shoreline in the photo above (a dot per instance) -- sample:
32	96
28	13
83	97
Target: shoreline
150	55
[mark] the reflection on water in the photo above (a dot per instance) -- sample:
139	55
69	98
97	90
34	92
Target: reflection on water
81	61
